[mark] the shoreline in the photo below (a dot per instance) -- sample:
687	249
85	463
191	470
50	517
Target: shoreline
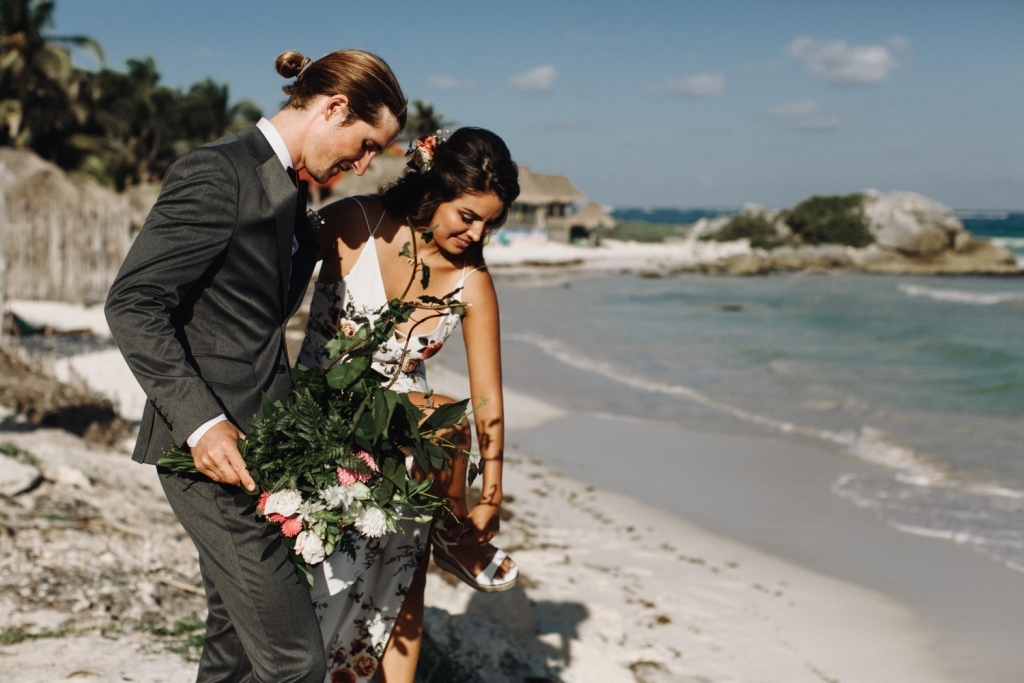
870	635
611	600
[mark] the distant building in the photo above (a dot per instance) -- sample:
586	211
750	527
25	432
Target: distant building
548	206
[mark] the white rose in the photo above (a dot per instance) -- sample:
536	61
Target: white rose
285	503
309	547
372	522
337	497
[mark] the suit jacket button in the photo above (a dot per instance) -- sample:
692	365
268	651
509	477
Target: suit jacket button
281	368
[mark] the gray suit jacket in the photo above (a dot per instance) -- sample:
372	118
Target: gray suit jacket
199	306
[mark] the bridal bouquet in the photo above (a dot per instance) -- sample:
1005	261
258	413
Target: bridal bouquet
330	465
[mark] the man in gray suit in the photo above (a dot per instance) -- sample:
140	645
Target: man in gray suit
198	309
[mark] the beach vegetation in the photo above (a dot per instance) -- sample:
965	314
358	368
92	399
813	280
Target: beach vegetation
122	127
834	219
641	231
423	119
750	226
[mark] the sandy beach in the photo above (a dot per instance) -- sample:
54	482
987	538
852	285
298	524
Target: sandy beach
616	590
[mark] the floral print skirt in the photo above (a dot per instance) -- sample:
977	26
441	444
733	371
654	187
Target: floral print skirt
358	600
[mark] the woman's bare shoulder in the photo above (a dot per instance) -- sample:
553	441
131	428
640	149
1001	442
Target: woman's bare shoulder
350	219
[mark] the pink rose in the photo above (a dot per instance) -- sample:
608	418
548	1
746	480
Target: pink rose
364	665
427	142
347	477
432	350
343	674
291	527
348	328
410	365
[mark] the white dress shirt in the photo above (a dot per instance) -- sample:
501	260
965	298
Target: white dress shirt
281	150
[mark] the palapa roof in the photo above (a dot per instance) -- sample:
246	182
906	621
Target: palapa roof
593	216
536	188
383	170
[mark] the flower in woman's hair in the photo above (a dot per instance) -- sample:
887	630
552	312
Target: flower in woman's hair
347	477
432	349
422	151
285	503
343	674
348	328
409	365
309	546
364	665
372	522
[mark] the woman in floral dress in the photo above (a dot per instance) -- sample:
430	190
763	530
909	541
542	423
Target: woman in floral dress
457	192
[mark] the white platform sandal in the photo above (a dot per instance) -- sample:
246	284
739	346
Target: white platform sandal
484	581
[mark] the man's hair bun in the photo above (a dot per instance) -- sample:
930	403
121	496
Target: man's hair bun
291	63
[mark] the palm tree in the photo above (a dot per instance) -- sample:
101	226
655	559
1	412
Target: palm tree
423	120
39	89
138	127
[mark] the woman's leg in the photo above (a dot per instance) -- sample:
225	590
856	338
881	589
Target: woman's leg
451	485
398	665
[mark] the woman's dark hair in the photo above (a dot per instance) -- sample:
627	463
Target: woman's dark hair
471	161
364	78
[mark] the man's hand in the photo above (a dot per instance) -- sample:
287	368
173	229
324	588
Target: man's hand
216	455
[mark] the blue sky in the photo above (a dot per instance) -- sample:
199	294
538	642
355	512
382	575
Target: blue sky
654	103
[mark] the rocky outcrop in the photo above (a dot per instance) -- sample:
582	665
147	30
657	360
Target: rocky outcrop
912	234
913	225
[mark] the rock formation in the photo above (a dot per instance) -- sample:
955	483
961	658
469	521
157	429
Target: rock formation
912	234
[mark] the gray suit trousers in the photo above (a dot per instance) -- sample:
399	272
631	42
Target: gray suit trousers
261	624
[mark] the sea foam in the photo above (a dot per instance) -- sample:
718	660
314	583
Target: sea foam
918	498
960	296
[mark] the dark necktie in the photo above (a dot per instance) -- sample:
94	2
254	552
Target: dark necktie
303	187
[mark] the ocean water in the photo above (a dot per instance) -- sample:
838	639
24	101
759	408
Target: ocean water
1004	228
924	376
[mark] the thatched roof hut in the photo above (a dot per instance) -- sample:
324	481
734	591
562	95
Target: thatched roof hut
383	170
61	237
592	216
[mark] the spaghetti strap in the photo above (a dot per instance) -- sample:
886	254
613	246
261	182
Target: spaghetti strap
466	275
370	230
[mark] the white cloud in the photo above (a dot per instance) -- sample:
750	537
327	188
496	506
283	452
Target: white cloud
449	82
696	86
539	79
843	64
806	116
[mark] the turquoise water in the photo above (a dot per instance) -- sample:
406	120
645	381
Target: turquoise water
922	375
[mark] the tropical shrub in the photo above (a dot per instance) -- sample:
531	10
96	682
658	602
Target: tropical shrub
835	219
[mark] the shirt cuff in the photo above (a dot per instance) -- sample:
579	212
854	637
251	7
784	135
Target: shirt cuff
203	428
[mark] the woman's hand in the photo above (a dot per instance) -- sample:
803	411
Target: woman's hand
482	522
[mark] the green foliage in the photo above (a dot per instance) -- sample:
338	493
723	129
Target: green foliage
121	127
335	417
422	119
12	635
187	637
138	127
640	231
831	220
754	227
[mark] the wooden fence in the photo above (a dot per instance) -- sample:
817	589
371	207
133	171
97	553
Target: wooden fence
62	237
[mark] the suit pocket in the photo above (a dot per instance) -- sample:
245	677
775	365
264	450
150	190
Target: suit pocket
224	370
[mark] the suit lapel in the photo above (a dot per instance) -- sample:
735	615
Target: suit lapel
302	265
282	195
